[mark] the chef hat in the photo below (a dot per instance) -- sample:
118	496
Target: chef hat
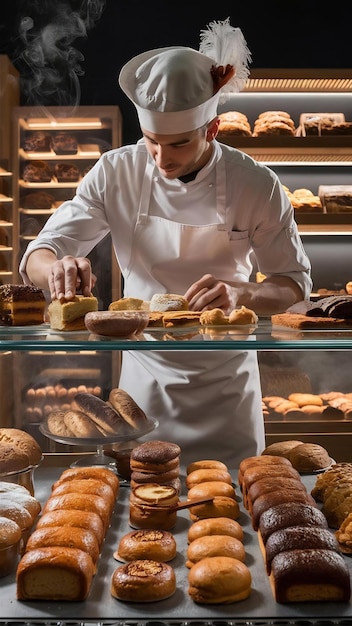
178	89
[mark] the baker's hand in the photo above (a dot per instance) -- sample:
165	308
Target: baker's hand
69	276
209	293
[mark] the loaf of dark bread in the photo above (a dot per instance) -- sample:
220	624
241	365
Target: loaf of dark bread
102	414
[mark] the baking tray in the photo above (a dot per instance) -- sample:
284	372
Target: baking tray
101	606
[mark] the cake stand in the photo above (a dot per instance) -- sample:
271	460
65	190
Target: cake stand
100	458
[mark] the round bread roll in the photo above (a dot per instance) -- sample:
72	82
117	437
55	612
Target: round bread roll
215	526
159	477
168	302
143	580
206	464
56	424
21	440
11	487
243	315
207	475
214	545
308	457
349	287
221	506
219	580
155	545
211	488
10	532
306	398
281	448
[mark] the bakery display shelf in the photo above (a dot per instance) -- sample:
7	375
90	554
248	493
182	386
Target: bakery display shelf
319	621
5	223
53	156
5	173
323	218
260	607
4	198
49	185
264	337
37	211
325	143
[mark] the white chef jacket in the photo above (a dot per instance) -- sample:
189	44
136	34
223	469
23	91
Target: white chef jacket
166	234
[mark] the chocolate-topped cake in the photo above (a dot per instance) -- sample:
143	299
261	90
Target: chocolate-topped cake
63	143
21	305
38	141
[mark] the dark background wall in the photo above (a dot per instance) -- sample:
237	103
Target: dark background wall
71	51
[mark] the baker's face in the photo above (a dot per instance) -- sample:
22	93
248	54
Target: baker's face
178	155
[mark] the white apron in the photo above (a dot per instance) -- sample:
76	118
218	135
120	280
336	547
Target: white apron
209	402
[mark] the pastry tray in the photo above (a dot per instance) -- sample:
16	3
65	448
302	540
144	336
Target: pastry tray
100	605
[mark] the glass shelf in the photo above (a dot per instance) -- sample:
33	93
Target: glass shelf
265	336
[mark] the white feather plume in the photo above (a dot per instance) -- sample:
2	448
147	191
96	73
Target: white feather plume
226	45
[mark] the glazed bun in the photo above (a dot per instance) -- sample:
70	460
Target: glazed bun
215	526
214	545
143	581
219	580
157	545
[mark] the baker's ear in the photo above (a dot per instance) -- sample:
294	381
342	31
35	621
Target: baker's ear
213	129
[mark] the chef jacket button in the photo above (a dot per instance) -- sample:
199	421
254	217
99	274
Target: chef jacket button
155	179
211	184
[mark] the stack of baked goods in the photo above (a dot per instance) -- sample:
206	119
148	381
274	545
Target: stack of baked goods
156	462
61	554
21	305
233	124
10	537
210	478
216	554
304	201
326	313
269	123
308	406
92	417
41	400
301	555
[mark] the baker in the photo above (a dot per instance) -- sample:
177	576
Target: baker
187	215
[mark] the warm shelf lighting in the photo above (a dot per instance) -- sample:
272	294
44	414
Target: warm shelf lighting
64	123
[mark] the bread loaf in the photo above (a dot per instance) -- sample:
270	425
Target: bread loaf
69	314
215	526
67	537
100	473
54	573
128	409
310	576
103	415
